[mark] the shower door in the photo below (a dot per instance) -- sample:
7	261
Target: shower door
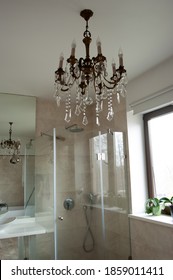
73	187
42	246
109	186
29	179
91	177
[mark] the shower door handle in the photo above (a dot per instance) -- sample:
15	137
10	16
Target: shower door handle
60	218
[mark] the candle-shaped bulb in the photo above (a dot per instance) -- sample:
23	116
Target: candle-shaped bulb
113	67
98	43
120	54
73	47
61	58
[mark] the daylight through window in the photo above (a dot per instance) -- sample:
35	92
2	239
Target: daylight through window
158	127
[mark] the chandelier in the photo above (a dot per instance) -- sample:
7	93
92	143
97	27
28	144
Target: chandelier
12	146
89	75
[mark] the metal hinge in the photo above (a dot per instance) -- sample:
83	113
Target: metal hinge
101	156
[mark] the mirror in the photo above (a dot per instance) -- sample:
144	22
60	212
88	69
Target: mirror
21	110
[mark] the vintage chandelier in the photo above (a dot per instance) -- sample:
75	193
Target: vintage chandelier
89	75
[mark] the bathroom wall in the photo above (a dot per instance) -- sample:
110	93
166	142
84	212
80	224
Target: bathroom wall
11	182
150	82
9	249
151	241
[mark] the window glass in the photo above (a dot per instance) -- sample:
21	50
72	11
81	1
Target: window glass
159	146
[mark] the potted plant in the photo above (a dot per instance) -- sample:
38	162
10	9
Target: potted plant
168	202
154	206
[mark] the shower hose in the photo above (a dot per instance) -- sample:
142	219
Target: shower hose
88	233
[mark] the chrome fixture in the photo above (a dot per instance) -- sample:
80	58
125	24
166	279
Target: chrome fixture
69	203
61	138
90	75
12	146
88	235
74	128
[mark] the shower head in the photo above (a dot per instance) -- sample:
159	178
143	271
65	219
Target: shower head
74	128
30	144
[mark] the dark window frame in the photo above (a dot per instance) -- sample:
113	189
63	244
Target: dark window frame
146	117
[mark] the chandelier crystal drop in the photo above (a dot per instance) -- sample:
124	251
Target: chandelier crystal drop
89	75
12	147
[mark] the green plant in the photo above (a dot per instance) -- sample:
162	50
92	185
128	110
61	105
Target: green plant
166	200
154	206
168	205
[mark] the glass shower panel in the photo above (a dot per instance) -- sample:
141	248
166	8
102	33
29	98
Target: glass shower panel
99	176
91	195
109	186
42	245
117	242
76	222
29	179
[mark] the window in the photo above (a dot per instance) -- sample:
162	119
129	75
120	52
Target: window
158	130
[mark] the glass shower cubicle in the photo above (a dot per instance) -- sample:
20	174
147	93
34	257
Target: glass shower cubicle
81	195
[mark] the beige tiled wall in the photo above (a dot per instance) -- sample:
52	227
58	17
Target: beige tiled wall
9	249
11	182
151	241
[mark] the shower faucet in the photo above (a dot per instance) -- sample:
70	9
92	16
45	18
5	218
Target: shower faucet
92	198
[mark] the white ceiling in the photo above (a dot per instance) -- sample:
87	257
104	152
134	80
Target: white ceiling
33	33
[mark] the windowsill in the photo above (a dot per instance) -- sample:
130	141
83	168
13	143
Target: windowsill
163	220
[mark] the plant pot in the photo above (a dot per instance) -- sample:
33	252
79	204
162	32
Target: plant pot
157	210
153	206
171	210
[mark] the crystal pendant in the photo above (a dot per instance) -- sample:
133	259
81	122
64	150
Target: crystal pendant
68	116
88	100
119	88
104	93
58	100
97	120
85	120
110	114
77	110
118	98
99	106
123	92
125	79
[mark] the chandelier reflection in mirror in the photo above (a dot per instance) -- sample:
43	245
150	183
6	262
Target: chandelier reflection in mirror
89	75
12	147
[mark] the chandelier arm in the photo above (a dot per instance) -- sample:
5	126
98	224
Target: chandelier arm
112	83
68	85
76	77
64	90
105	85
108	87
